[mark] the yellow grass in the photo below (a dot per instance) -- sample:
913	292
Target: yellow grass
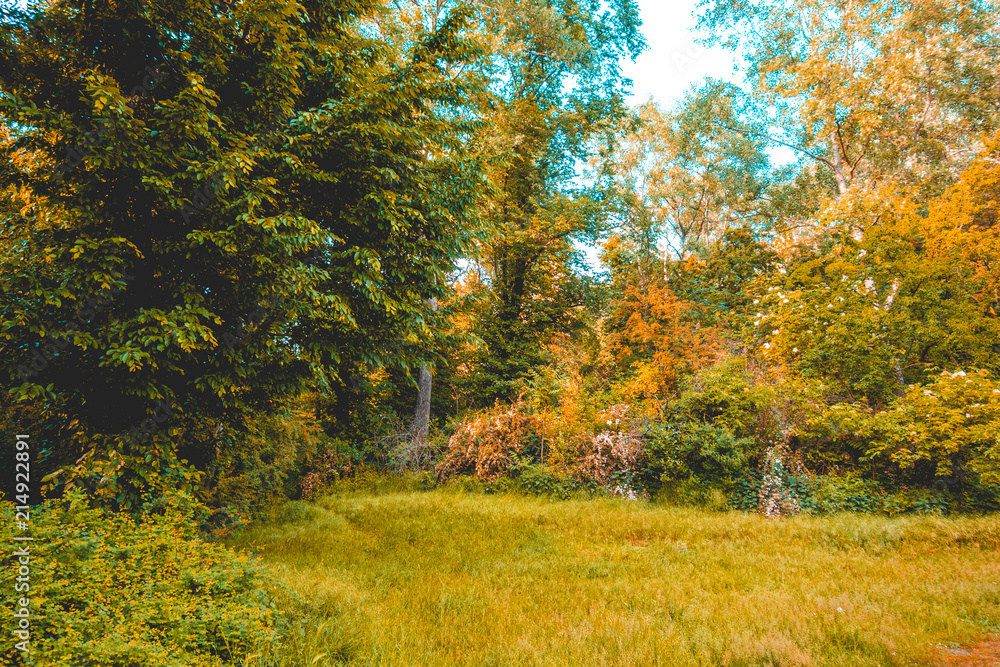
443	578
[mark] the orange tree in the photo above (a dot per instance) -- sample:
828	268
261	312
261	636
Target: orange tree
658	340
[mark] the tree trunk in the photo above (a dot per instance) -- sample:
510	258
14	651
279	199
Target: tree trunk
838	163
897	370
422	415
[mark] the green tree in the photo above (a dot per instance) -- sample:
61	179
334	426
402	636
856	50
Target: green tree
556	83
683	178
280	167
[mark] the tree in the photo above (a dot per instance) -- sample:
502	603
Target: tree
556	83
683	178
285	170
659	341
913	294
870	89
422	413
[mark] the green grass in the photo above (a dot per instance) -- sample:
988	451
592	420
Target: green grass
442	578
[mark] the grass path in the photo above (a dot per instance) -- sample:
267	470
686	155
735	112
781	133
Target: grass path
439	578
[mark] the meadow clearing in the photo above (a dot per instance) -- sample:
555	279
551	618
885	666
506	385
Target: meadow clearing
452	578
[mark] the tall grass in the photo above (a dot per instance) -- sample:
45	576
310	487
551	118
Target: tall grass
441	578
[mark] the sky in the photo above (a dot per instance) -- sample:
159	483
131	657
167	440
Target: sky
672	60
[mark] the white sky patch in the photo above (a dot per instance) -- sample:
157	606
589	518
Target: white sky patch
672	60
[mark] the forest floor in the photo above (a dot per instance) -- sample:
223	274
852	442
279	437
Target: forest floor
448	578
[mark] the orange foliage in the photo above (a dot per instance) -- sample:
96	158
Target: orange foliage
661	341
964	223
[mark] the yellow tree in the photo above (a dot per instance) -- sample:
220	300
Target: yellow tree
917	291
870	88
964	226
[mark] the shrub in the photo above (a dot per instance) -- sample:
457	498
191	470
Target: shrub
845	493
948	427
407	453
364	479
257	466
695	492
490	445
782	489
334	460
678	452
728	397
614	457
116	590
917	501
543	481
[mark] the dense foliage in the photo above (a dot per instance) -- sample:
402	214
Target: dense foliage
112	589
237	239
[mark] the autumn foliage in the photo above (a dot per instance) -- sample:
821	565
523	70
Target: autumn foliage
660	341
490	444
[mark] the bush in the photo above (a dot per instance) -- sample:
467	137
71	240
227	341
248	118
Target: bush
917	501
678	452
542	481
334	460
946	427
109	589
615	457
727	396
845	494
781	486
491	444
694	492
258	466
785	485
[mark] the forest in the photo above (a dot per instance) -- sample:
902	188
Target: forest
258	253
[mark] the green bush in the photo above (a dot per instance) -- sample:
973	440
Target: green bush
539	480
260	465
844	494
744	493
693	450
694	492
916	501
112	589
727	397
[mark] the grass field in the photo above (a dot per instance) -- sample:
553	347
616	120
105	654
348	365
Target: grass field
445	578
